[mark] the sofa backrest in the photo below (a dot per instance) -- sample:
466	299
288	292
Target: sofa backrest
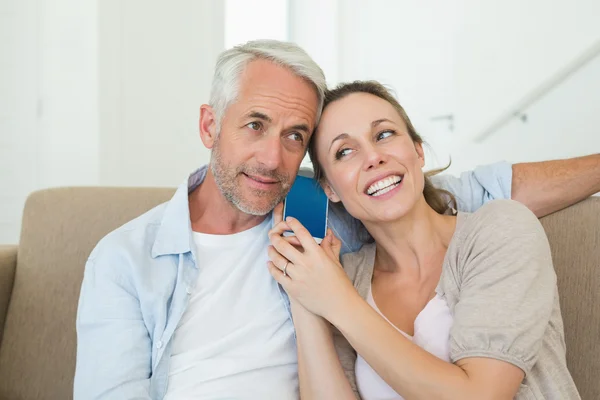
61	226
574	235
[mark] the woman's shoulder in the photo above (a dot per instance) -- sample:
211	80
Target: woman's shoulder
498	218
500	229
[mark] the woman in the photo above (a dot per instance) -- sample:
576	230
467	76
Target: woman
441	305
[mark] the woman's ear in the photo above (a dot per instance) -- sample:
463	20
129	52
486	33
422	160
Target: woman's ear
421	153
331	194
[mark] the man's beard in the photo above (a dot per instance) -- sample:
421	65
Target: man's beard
227	182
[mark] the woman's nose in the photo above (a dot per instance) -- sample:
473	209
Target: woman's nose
374	158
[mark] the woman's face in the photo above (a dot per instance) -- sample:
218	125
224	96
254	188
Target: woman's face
369	160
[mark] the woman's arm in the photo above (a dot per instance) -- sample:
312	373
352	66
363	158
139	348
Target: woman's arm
417	374
325	363
320	372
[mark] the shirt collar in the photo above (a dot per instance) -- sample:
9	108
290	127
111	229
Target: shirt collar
175	233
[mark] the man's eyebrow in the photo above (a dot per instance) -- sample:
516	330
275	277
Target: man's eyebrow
301	127
259	115
379	121
338	137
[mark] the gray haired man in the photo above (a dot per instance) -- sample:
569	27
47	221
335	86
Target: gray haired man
179	304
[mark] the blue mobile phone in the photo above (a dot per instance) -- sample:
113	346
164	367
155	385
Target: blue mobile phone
308	203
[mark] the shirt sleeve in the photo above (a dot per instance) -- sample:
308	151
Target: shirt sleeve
475	188
507	286
345	227
113	344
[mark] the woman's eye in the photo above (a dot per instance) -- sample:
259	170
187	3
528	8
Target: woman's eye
385	135
255	126
342	153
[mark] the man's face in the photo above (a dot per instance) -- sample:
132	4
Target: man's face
263	138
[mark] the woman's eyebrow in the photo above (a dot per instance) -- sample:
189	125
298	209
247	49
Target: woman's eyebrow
379	121
338	137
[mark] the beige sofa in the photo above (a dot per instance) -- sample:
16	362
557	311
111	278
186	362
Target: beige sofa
40	281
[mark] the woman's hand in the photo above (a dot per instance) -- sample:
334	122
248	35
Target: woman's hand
313	274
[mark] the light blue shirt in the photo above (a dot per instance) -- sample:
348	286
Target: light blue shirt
139	277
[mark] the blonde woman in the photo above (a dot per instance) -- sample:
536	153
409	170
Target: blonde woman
440	305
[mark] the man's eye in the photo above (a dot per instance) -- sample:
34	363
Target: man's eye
385	134
342	153
255	126
296	137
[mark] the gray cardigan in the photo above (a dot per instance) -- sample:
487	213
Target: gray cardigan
499	283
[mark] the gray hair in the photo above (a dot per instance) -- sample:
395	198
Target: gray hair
231	64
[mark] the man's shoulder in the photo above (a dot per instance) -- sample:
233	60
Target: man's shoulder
133	236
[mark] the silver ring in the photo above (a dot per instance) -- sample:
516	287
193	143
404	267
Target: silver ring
285	268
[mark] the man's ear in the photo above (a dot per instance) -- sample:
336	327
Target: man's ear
421	153
330	192
208	126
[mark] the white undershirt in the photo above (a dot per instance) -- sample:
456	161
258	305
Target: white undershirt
235	339
431	333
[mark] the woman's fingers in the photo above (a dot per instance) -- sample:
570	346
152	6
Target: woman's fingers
303	235
284	281
326	244
331	245
284	248
336	244
280	228
279	261
293	240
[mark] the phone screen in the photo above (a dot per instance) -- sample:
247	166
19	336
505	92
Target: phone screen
308	203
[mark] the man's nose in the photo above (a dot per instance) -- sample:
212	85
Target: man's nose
269	152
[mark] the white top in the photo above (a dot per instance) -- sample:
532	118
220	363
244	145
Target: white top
432	333
235	339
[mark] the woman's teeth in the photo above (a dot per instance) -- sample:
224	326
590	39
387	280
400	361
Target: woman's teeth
383	186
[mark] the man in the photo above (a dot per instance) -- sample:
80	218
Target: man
179	304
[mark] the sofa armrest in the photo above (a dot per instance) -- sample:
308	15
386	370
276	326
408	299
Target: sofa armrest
8	265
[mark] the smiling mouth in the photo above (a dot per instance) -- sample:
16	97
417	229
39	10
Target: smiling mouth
383	186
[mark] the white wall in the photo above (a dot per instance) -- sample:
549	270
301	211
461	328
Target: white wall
48	101
313	25
257	19
156	65
68	84
101	92
19	91
472	60
504	50
565	123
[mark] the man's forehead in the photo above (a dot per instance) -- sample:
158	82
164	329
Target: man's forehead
276	107
273	86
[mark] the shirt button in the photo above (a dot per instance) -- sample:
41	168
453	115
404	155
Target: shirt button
159	344
188	290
